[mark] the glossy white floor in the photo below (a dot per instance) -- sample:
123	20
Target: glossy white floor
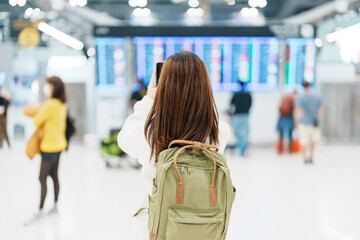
279	198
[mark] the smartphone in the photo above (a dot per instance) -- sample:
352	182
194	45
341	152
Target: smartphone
158	71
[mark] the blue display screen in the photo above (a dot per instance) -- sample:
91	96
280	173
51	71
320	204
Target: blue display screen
111	61
228	59
300	61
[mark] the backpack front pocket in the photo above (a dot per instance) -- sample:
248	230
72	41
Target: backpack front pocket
191	224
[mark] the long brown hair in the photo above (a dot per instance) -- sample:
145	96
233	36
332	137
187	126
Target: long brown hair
59	88
184	106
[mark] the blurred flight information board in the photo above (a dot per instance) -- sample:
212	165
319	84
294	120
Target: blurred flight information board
300	61
228	59
111	61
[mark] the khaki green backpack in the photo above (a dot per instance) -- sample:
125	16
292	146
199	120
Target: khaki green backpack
192	194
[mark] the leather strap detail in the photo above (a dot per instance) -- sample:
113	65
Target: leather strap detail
196	145
180	193
213	198
180	186
153	237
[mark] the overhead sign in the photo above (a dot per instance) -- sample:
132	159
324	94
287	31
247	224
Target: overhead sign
21	24
29	37
222	31
26	33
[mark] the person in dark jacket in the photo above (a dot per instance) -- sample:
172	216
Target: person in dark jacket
4	104
139	91
240	107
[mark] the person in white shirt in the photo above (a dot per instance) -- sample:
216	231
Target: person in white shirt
181	106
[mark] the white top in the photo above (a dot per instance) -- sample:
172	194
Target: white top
131	139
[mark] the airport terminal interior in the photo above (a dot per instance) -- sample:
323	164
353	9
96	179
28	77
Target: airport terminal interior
285	77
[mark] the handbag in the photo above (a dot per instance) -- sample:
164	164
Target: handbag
33	145
316	123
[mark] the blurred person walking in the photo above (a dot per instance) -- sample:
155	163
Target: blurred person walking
240	107
181	106
139	91
52	119
309	110
4	104
286	125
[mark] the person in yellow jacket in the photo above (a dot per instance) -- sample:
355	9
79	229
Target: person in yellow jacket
52	119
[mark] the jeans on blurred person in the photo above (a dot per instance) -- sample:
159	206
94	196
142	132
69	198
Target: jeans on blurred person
240	124
285	127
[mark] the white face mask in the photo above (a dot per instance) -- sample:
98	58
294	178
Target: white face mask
47	90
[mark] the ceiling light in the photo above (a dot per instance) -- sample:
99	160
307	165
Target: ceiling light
146	12
318	42
249	12
191	12
60	36
137	12
351	32
133	3
245	12
254	12
29	12
141	12
73	3
142	3
231	2
21	3
253	3
199	12
195	12
91	52
341	6
262	3
13	3
81	3
78	3
193	3
36	12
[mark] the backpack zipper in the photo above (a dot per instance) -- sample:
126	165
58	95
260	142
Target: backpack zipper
182	169
189	171
188	168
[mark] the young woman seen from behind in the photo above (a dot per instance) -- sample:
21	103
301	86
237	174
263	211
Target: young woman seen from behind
181	106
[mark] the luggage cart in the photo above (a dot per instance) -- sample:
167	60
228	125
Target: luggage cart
113	155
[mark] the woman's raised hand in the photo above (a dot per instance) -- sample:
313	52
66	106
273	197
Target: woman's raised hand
151	91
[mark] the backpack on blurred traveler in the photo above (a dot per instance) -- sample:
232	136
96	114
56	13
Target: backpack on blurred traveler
70	129
192	194
287	106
